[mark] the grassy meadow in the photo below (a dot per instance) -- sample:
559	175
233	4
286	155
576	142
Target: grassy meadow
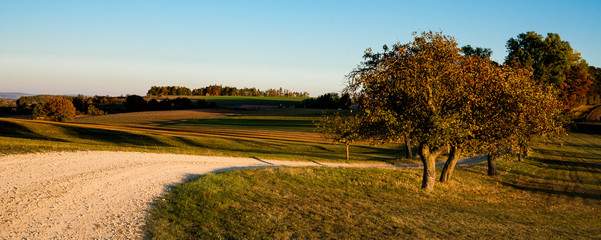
554	194
284	134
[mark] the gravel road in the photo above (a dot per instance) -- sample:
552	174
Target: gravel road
103	195
96	194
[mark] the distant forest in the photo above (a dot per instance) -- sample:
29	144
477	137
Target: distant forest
219	90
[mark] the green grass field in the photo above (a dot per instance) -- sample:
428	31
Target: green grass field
133	132
293	120
555	194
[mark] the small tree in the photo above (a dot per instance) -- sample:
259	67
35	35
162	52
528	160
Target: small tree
58	109
341	129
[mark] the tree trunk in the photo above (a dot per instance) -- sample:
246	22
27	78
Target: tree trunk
449	166
492	164
523	152
408	146
347	153
429	160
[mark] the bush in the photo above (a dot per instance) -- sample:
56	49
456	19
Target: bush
201	103
135	103
594	115
93	110
56	109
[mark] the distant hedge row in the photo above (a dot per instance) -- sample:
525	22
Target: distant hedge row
219	90
135	103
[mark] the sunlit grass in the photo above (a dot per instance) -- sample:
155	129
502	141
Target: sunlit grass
555	194
23	136
151	117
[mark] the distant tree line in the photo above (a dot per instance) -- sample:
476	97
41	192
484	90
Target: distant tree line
7	107
328	101
219	90
97	105
135	103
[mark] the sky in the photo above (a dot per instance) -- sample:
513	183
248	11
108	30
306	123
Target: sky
125	47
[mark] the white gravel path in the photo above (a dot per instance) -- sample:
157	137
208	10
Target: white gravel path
100	194
97	194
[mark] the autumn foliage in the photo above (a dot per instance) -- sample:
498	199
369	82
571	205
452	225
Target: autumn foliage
56	109
427	90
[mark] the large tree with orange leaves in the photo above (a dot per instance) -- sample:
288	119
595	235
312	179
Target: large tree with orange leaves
426	89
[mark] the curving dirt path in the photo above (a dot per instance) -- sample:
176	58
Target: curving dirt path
100	195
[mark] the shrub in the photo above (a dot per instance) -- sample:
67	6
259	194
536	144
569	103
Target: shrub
594	115
93	110
57	109
135	103
38	112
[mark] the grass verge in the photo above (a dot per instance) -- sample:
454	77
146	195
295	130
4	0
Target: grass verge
554	194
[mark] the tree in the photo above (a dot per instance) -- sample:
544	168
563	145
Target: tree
411	88
58	109
134	103
427	90
554	62
576	86
93	110
468	50
341	128
594	96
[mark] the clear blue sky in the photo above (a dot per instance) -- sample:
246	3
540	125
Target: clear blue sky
125	47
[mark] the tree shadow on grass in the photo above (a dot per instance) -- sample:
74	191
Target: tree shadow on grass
571	191
564	153
266	148
587	128
570	165
260	124
190	142
112	136
15	130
